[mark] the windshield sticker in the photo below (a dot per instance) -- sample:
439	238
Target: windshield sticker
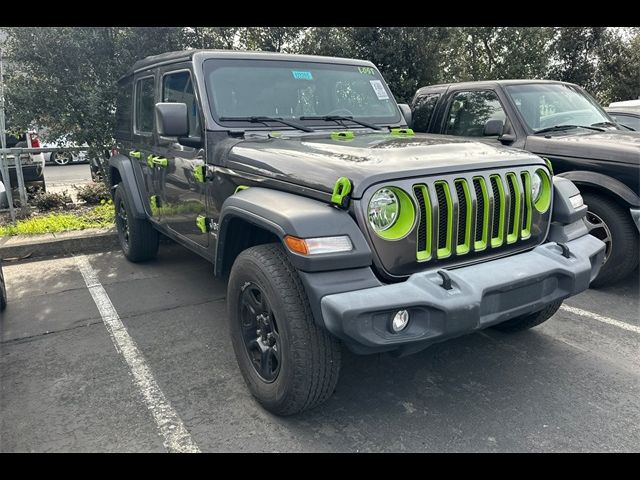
381	93
366	70
300	75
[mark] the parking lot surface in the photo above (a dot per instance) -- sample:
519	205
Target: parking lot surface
74	379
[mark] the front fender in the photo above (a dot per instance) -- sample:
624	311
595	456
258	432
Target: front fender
603	182
283	213
127	180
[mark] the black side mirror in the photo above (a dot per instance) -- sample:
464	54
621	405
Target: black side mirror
493	128
172	120
406	113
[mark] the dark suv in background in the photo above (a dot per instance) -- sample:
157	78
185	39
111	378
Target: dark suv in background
565	125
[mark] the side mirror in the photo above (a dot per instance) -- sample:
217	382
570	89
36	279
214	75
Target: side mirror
406	113
172	120
493	128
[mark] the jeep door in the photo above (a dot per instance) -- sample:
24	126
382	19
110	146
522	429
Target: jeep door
183	188
144	99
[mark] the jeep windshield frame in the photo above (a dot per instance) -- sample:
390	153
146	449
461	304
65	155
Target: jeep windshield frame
295	89
545	106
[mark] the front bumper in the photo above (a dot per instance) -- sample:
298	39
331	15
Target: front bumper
481	295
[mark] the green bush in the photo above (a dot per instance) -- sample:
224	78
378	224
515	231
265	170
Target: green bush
93	193
45	201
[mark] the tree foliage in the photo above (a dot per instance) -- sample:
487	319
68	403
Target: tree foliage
64	78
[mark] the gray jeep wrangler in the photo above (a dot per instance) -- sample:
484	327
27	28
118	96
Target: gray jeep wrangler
335	224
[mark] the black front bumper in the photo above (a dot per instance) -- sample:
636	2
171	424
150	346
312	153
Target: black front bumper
481	295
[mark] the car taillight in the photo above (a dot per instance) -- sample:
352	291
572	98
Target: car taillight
35	141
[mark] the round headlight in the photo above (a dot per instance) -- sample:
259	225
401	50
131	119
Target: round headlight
384	208
536	186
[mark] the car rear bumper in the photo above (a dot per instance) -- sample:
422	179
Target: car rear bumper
481	295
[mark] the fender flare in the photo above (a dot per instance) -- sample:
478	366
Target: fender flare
283	213
128	183
603	182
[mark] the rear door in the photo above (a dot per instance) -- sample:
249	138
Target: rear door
144	100
181	167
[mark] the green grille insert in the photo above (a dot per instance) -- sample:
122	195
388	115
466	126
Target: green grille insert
423	243
482	214
445	219
526	219
499	207
514	210
463	244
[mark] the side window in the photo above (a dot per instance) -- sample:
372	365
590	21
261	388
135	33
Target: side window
123	110
470	111
145	103
422	111
178	87
628	120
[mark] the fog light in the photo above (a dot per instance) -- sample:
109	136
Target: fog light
400	321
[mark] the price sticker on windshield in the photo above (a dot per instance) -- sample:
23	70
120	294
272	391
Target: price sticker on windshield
381	93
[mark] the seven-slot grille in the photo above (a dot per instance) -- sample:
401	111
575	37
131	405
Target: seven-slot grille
472	214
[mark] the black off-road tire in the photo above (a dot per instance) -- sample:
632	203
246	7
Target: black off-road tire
310	365
624	255
140	242
531	320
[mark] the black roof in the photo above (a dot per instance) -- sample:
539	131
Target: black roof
184	55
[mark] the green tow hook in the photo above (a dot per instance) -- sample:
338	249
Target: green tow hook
341	190
402	132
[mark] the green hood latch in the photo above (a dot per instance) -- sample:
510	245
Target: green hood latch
341	190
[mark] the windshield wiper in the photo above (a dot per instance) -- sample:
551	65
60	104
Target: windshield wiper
267	119
604	124
567	127
338	118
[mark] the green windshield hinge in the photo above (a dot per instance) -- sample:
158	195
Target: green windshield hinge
202	223
402	132
199	173
341	190
342	135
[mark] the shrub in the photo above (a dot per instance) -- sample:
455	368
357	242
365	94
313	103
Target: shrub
93	193
44	201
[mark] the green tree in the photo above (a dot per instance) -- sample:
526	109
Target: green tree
272	39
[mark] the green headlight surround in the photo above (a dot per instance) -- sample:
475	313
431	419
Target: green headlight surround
406	217
544	201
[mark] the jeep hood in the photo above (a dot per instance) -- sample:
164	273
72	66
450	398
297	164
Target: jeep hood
617	146
316	160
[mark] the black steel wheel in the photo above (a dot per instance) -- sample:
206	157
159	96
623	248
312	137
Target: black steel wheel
138	239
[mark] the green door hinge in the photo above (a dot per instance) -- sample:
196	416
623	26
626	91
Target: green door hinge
341	190
135	154
154	160
154	201
199	172
402	132
202	224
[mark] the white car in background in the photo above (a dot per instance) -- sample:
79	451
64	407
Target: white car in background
64	157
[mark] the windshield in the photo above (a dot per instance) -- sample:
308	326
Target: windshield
549	105
291	89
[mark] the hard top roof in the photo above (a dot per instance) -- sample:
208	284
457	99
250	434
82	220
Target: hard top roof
184	55
490	83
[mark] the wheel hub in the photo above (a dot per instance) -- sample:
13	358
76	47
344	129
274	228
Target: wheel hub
260	332
599	229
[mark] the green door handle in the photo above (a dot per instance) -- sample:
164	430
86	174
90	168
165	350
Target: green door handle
155	161
135	154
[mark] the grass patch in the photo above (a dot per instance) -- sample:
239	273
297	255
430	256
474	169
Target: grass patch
97	217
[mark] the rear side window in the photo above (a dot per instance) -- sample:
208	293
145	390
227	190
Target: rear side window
422	111
178	88
145	104
470	111
123	110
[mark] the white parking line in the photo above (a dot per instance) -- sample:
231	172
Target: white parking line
600	318
176	436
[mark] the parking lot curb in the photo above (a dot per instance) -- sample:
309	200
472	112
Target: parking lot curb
90	240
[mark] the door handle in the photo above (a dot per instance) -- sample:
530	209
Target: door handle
135	154
155	161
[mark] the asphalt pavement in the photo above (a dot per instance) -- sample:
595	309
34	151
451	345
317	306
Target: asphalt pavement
571	384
